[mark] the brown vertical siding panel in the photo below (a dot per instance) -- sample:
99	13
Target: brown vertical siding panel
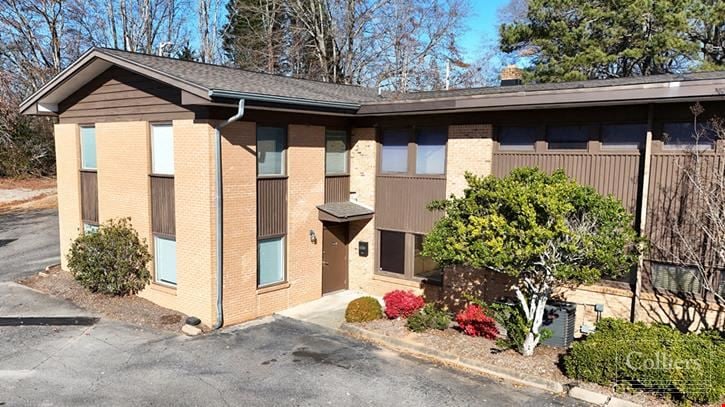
615	173
163	207
89	196
337	188
271	207
401	202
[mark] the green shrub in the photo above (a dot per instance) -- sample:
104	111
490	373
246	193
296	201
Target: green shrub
654	358
111	260
428	317
363	309
513	321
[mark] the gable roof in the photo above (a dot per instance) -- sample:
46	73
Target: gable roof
212	84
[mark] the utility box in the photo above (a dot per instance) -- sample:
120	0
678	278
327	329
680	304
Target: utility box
559	317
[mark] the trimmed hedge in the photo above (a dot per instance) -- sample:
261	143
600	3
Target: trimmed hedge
429	317
363	309
654	358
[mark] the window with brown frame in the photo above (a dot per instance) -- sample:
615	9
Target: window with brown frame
163	204
407	151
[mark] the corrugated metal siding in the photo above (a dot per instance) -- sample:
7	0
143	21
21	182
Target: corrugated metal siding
271	207
119	95
163	218
615	173
89	196
337	188
401	202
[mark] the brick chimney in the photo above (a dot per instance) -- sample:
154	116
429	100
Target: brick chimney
511	75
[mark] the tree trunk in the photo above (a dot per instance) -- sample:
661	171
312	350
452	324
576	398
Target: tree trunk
533	337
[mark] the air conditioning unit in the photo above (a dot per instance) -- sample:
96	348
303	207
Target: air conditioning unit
559	317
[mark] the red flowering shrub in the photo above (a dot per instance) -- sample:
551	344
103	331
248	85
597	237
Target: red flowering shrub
401	303
474	321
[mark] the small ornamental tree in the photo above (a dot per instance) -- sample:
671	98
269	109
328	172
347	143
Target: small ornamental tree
546	231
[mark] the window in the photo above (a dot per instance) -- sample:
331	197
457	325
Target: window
681	135
335	152
424	266
162	149
88	148
270	261
270	151
517	138
165	260
568	137
430	156
89	228
392	252
395	151
623	136
675	278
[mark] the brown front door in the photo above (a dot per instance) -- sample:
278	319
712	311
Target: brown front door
334	257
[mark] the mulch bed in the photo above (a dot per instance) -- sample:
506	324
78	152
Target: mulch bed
545	362
132	309
28	183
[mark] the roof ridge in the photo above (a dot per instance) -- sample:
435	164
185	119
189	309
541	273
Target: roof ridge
101	49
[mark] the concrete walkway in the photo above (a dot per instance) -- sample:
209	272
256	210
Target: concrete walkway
328	311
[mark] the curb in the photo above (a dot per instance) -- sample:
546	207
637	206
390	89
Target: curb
450	359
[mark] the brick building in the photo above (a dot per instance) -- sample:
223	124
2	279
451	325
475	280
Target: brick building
288	189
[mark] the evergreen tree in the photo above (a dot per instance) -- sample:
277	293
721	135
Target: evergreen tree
598	39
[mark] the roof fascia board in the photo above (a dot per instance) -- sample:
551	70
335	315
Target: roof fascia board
282	99
659	92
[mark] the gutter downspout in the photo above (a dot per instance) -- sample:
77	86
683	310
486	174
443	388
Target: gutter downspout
219	214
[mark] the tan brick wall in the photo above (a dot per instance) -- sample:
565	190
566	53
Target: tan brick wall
363	149
470	148
67	153
240	221
124	164
306	190
195	222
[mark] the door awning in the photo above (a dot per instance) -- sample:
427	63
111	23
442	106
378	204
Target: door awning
344	212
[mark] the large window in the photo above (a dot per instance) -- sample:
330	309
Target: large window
424	266
568	137
88	147
335	152
392	252
270	261
683	135
271	142
430	156
165	260
395	151
681	279
623	136
517	138
162	149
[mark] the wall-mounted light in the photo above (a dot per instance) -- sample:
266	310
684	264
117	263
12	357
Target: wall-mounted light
313	237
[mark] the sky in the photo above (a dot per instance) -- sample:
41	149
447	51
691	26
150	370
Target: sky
482	26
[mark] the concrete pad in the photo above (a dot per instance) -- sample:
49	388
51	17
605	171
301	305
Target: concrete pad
328	311
589	396
21	301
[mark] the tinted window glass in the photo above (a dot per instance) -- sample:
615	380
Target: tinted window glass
88	148
517	138
675	278
336	152
395	151
430	156
567	137
271	261
162	149
678	135
270	150
423	266
392	252
165	260
623	136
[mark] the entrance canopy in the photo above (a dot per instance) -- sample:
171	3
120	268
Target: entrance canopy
344	212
